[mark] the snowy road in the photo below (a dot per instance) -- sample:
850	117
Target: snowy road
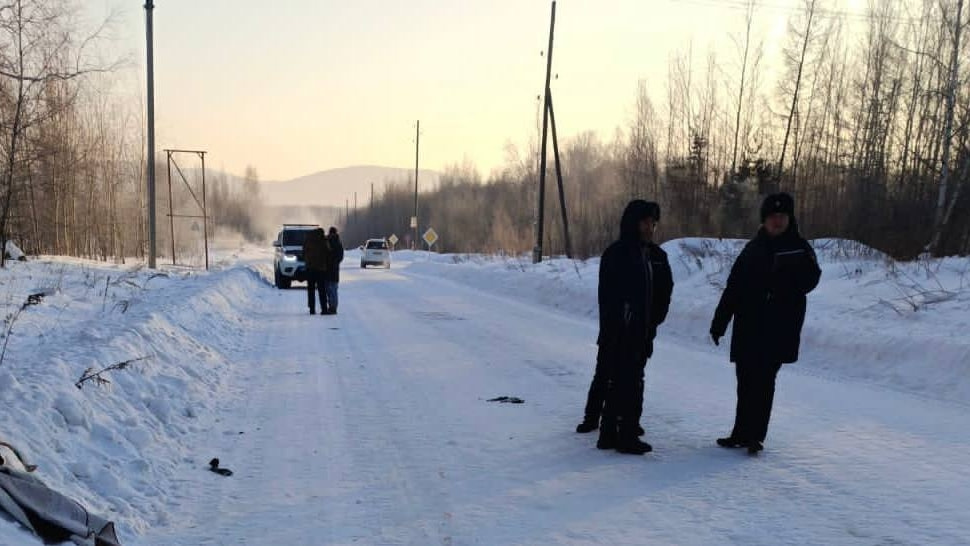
373	428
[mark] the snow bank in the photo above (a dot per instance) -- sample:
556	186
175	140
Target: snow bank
117	447
901	325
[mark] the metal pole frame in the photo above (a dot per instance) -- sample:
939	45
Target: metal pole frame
541	198
171	212
150	198
202	204
205	210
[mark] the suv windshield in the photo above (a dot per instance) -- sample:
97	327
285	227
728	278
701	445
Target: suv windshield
294	237
376	245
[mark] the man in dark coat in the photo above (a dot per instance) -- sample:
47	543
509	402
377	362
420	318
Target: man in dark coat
635	285
316	257
765	296
333	270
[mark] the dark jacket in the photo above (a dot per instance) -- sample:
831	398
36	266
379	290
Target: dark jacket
316	251
336	256
765	295
630	308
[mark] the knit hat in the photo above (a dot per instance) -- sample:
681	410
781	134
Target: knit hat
778	203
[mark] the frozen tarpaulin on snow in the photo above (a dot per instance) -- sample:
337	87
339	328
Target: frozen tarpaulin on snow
13	251
50	515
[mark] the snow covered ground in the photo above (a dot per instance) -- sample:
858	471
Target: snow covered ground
903	326
372	427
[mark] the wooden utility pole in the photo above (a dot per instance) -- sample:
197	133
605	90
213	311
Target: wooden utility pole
541	198
414	219
562	192
150	153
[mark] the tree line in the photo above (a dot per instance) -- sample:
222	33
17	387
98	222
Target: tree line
867	124
72	154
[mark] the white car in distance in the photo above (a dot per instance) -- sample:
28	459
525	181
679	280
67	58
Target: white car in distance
375	252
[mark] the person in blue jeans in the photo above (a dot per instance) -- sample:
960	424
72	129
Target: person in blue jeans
332	276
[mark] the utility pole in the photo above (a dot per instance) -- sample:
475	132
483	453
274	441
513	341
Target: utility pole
537	251
414	219
562	191
356	215
370	213
347	212
150	64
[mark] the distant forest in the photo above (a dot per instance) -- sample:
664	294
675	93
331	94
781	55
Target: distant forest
72	146
870	131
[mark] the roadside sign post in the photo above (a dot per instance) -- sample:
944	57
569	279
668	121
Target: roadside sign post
430	237
393	240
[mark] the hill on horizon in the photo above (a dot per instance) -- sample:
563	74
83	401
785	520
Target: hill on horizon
333	187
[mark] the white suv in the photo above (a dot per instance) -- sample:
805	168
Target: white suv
374	252
288	264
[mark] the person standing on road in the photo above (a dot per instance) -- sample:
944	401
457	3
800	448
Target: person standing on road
333	270
316	256
635	286
765	296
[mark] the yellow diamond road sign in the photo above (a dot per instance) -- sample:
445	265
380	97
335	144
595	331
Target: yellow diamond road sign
392	239
430	237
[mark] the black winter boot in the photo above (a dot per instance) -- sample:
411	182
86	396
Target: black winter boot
588	425
731	442
313	311
633	446
607	439
754	448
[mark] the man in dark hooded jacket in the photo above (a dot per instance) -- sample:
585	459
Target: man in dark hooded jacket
316	256
635	285
333	270
765	296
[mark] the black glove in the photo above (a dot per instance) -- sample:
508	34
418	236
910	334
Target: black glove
716	338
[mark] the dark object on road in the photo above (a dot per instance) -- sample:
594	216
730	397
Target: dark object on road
214	467
507	400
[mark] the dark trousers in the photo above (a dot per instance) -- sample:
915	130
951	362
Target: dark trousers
332	295
599	388
624	394
756	394
315	289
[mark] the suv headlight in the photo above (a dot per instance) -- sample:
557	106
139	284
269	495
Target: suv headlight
289	258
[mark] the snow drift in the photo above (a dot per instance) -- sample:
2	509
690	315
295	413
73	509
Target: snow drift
117	445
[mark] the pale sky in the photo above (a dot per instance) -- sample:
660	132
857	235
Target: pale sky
297	86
